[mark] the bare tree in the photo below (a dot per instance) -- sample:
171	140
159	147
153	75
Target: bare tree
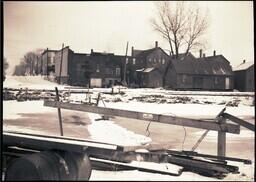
29	64
181	25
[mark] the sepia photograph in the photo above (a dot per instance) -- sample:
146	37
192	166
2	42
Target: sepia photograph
128	91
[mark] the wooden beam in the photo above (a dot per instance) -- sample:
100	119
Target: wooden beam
210	125
47	143
196	164
221	139
176	170
189	153
239	121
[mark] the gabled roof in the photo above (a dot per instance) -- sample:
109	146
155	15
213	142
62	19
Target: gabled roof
212	65
244	66
144	53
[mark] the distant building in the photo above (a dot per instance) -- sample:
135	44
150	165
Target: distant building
146	67
46	63
205	73
244	77
155	68
94	70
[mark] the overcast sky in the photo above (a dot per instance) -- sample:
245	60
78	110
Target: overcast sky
107	26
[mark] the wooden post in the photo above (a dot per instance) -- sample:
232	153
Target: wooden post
59	112
98	99
61	62
222	139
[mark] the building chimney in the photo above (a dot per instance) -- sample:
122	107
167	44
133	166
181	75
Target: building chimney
244	61
156	44
91	51
203	54
214	53
132	51
200	53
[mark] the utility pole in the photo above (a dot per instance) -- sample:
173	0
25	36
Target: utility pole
41	69
37	65
61	62
30	62
47	62
124	81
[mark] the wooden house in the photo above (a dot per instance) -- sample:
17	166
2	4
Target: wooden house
205	73
146	67
244	77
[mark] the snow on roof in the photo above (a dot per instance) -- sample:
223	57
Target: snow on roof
147	70
139	70
243	66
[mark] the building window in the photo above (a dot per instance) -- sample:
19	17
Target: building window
133	61
149	60
118	71
126	60
216	80
98	69
184	77
163	61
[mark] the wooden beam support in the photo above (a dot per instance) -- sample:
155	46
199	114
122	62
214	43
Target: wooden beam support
210	125
221	139
59	112
239	121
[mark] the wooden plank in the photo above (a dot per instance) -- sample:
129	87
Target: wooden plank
143	166
221	151
211	125
189	153
239	121
48	143
120	156
196	164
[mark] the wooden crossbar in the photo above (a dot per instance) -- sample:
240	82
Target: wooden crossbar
239	121
210	125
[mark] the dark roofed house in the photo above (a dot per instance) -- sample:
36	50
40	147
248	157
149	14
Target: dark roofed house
147	66
244	77
205	73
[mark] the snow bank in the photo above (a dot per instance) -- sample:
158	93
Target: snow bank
109	132
30	82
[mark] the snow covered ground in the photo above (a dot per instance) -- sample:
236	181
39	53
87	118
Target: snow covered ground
33	117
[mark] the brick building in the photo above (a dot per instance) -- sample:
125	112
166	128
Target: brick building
95	69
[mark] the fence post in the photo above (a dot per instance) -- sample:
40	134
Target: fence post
59	112
222	139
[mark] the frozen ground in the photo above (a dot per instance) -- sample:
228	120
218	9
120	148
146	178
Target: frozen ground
33	117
